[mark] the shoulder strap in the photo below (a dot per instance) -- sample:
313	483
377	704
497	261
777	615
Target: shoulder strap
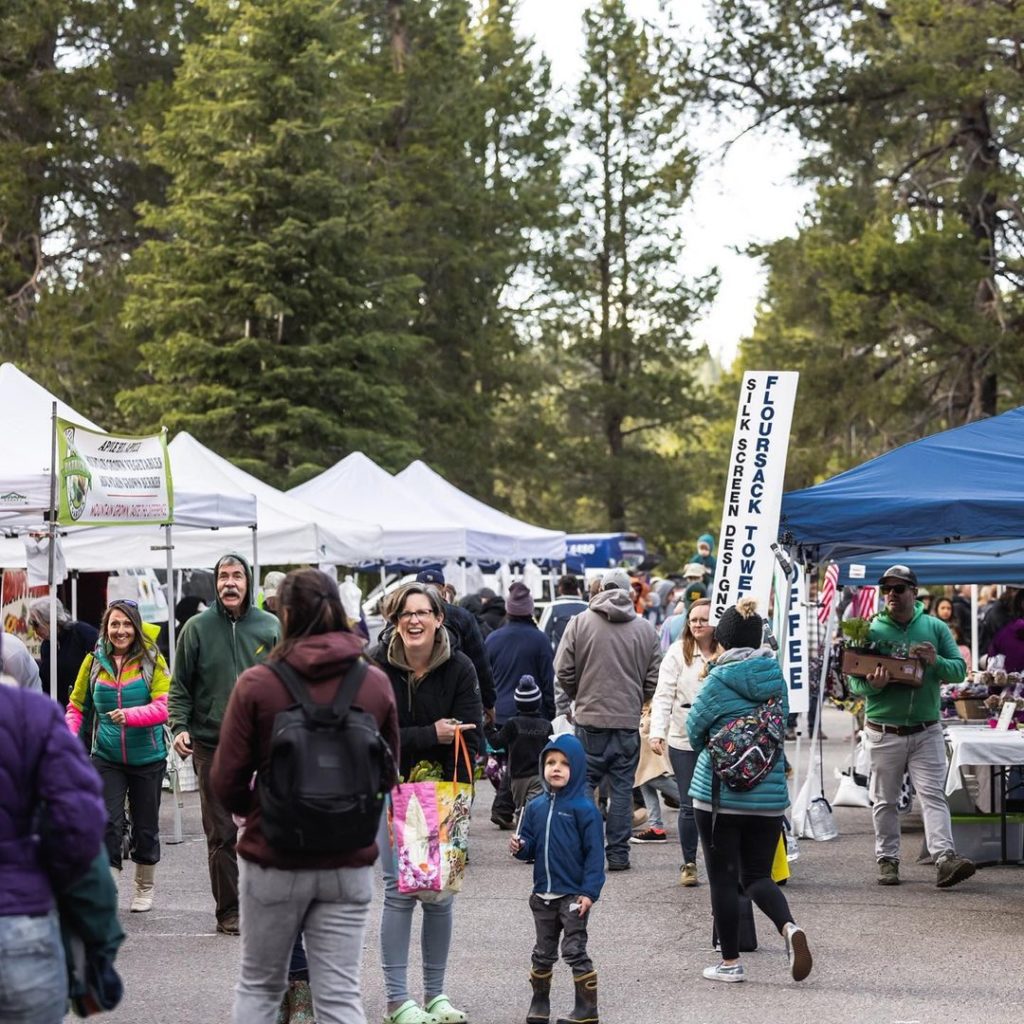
346	694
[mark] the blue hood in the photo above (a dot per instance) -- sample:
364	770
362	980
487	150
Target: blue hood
709	540
567	744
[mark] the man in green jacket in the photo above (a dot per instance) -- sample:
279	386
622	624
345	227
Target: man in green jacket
214	648
902	730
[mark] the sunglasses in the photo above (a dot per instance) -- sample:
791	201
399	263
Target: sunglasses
894	588
124	601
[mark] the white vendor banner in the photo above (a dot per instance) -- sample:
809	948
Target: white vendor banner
104	480
789	624
753	490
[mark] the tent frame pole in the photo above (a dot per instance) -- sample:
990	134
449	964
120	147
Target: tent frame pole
52	552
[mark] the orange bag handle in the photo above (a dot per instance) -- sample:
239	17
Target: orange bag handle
461	745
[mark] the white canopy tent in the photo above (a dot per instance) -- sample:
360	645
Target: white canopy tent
491	535
26	410
412	527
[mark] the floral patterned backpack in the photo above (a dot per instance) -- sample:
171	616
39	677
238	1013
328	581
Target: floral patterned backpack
744	751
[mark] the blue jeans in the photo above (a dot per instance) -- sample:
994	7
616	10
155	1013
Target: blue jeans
613	754
650	790
33	976
396	931
683	762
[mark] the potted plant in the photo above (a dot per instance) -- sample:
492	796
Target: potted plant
861	656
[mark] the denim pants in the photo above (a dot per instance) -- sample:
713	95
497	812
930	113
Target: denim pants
613	754
221	835
740	853
142	783
331	906
33	978
396	931
683	762
924	756
650	790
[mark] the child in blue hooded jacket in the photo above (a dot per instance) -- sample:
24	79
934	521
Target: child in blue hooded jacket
562	833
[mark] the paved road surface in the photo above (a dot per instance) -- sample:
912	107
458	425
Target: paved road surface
908	955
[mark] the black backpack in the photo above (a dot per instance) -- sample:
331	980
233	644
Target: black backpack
329	772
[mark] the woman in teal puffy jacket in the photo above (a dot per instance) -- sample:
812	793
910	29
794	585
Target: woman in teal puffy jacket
740	833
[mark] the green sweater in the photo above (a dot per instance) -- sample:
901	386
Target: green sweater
212	652
897	703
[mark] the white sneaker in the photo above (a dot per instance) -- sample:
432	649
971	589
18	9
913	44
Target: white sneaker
796	949
725	972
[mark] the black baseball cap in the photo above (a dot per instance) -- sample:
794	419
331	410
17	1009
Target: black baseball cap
900	573
434	576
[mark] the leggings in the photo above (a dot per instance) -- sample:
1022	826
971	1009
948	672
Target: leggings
742	854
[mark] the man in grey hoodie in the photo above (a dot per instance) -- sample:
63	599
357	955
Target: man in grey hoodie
607	663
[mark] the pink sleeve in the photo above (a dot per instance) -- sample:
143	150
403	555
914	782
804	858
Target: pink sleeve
74	719
153	713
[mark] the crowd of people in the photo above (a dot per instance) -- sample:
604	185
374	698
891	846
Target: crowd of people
594	719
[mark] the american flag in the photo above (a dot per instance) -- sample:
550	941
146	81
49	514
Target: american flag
828	592
866	602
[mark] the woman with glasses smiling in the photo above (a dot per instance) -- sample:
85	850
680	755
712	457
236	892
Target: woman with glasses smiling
120	701
437	695
679	681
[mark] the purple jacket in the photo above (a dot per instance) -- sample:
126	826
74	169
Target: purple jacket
41	761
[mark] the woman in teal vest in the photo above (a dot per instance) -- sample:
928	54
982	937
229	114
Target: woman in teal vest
120	701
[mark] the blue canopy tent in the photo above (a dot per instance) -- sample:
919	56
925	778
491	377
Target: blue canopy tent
992	561
962	485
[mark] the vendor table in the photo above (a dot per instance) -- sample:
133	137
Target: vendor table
976	746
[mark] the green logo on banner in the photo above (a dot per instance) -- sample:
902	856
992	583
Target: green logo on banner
77	478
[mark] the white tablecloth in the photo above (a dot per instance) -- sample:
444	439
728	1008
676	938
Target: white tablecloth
980	745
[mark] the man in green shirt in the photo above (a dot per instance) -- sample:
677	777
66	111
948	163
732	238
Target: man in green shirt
902	730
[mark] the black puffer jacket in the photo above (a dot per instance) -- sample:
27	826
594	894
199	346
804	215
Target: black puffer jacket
448	690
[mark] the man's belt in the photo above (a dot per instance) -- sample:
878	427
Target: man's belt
900	730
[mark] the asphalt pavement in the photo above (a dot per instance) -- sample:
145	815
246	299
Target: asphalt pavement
912	954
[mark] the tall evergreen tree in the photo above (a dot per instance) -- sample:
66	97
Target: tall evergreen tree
274	329
619	339
901	297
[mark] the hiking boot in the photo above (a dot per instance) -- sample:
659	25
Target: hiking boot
618	865
724	972
796	949
888	871
540	1006
142	900
228	924
688	876
585	1010
651	835
505	824
952	869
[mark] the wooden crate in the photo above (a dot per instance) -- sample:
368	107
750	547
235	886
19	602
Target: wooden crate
970	710
909	671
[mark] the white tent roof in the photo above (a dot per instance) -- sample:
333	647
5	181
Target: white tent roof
411	527
25	449
492	535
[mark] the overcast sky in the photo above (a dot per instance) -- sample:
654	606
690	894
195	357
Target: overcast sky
743	195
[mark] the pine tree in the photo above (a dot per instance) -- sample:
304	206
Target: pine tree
273	328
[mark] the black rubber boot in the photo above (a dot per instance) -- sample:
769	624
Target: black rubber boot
585	1010
540	1005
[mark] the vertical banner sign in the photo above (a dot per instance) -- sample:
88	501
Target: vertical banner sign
753	490
104	480
790	625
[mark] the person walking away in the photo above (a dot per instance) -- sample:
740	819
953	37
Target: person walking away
40	763
608	665
214	648
74	641
119	704
516	649
524	736
679	681
902	731
328	894
561	833
653	776
568	602
740	829
1009	641
437	695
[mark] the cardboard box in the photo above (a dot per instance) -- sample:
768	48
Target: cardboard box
909	671
970	710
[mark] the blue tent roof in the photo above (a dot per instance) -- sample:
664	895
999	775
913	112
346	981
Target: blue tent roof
986	561
964	484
